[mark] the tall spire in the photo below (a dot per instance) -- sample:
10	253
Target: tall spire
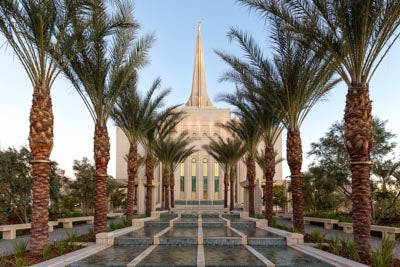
199	96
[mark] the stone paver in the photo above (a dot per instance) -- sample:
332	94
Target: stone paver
376	241
7	246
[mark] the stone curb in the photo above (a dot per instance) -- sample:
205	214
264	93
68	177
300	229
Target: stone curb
156	237
259	256
291	238
244	237
201	262
327	257
72	256
141	256
107	238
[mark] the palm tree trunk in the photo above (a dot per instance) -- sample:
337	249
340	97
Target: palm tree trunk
358	138
101	158
251	177
226	186
232	178
295	160
149	183
172	188
269	170
41	144
132	170
166	188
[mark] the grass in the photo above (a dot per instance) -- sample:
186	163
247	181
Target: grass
46	252
317	236
383	257
19	248
119	225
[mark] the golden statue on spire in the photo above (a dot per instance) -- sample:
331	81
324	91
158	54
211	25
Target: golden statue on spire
199	25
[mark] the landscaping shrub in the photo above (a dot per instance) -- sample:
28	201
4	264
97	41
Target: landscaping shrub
317	236
19	248
383	257
46	252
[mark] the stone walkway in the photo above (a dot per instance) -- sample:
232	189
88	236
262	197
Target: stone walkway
7	246
376	241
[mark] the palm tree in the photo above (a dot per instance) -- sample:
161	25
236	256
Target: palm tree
248	132
217	149
37	32
289	85
183	151
247	105
99	73
161	126
172	151
265	161
356	36
132	113
227	153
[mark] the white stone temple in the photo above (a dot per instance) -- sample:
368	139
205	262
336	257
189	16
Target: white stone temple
200	177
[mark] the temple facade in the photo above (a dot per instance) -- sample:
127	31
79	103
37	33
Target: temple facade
199	177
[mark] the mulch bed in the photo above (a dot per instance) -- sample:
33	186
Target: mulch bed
29	258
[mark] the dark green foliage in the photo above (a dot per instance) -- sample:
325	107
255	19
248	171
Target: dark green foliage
279	198
115	225
327	185
16	183
383	257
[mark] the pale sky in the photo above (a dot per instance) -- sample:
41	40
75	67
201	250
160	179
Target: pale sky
175	24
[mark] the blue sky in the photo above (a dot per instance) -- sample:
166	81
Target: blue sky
175	24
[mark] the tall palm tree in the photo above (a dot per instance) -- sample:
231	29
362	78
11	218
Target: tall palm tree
99	73
248	105
265	161
248	132
356	36
289	85
38	32
171	151
132	113
227	153
161	126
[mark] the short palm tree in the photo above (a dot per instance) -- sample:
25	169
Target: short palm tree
161	126
132	113
248	132
183	151
227	153
38	32
247	105
99	73
355	35
171	151
216	148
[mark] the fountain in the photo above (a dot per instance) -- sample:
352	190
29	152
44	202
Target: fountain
200	239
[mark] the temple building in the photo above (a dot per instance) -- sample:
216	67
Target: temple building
199	179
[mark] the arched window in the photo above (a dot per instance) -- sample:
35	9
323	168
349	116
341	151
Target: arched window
182	181
216	180
205	179
193	178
